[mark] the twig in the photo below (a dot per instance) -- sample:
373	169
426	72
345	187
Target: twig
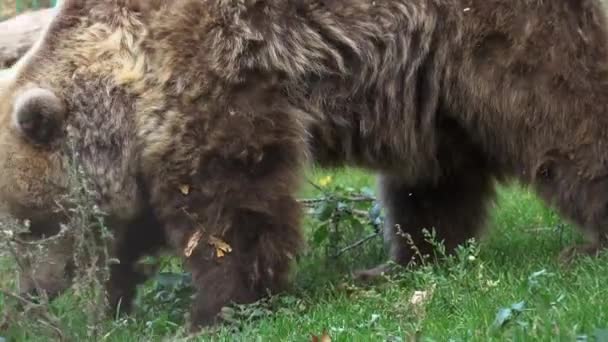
48	324
19	298
315	185
356	198
46	319
22	268
361	213
38	242
356	244
309	201
312	201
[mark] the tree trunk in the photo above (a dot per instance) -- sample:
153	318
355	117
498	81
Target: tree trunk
18	34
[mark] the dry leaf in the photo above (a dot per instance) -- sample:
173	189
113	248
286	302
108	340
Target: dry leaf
324	338
221	247
420	297
193	242
184	188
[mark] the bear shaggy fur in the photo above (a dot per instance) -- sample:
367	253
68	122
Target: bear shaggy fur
194	119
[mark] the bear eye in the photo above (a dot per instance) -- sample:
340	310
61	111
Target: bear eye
38	115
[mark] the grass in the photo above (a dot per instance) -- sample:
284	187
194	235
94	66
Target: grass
9	8
507	286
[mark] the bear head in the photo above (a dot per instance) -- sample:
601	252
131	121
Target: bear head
72	98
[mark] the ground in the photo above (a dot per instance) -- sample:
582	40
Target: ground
507	285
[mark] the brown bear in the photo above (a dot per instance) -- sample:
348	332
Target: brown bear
195	118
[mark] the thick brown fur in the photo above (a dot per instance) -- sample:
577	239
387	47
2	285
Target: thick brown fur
202	114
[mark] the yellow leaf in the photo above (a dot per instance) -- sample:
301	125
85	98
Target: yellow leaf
325	181
221	247
192	243
184	188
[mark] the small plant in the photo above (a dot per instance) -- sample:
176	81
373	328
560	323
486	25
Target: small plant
87	236
92	239
344	218
31	314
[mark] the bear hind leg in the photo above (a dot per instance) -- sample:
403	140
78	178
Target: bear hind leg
455	209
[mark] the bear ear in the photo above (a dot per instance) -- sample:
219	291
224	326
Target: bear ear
38	115
145	6
549	166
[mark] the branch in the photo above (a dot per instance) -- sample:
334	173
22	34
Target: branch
18	298
20	33
13	238
45	318
311	201
356	244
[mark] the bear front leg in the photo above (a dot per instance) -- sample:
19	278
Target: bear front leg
238	257
143	236
223	187
235	221
256	263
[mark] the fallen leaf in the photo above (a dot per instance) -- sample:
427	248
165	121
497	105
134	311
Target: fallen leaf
221	247
324	338
192	243
323	182
184	189
505	315
519	307
420	297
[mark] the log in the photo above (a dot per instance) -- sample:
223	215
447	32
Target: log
19	33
